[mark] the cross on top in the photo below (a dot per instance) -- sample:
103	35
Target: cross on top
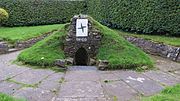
82	27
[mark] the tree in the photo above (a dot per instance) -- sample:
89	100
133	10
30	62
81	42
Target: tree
3	15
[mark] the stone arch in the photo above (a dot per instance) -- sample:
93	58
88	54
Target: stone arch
81	57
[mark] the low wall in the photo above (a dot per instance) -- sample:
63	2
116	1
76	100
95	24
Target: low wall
5	48
30	42
166	51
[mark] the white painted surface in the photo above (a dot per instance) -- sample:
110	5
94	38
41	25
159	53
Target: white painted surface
81	27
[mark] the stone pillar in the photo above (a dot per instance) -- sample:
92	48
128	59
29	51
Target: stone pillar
90	43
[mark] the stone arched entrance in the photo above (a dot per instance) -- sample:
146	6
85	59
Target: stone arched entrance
81	57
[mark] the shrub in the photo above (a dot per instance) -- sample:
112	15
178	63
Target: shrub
38	12
144	16
3	15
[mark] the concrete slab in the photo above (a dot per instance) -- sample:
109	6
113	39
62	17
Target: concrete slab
83	99
32	76
34	94
9	72
81	89
140	82
108	76
177	73
52	83
8	87
82	68
165	64
162	77
120	90
82	76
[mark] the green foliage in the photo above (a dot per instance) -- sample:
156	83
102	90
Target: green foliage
14	34
45	52
115	49
119	52
4	97
169	94
147	16
37	12
3	15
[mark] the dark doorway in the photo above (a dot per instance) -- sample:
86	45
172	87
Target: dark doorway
81	57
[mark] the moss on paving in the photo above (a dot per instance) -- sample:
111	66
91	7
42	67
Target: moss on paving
114	48
14	34
45	52
168	94
4	97
173	41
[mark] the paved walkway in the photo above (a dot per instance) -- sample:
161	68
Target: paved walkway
84	83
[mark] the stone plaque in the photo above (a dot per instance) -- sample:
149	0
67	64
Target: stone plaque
81	27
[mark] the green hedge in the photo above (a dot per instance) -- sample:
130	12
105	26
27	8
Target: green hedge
37	12
144	16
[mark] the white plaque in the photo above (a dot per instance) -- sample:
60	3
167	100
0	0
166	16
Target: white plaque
81	27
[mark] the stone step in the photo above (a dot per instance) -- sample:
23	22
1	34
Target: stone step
82	68
12	50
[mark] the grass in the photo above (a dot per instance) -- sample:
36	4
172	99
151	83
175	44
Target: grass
114	48
4	97
14	34
168	94
119	52
173	41
45	52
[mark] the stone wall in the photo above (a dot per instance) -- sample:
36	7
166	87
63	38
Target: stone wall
3	47
90	43
7	48
170	52
30	42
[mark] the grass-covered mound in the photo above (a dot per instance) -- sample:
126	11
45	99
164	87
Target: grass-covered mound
45	52
14	34
168	94
115	49
4	97
119	52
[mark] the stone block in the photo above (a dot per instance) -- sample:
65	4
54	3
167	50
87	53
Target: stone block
69	61
92	62
103	64
3	48
60	63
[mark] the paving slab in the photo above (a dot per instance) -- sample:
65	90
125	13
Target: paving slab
82	76
83	99
52	83
140	82
177	74
9	72
82	68
162	77
120	90
35	94
6	59
32	76
108	76
8	87
165	64
81	89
